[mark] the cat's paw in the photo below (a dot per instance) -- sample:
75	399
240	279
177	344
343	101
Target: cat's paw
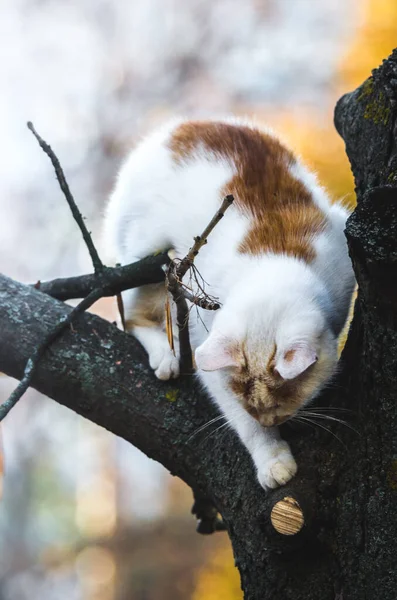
279	467
164	363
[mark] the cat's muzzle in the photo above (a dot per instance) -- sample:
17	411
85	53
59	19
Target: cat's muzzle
272	420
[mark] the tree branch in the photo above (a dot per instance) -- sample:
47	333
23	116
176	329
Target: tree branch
43	345
182	319
201	240
102	374
96	261
175	275
112	280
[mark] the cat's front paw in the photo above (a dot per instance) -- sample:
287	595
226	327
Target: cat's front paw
278	468
164	363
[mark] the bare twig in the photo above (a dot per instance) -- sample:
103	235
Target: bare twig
182	317
96	261
203	302
120	306
42	347
92	296
201	240
176	272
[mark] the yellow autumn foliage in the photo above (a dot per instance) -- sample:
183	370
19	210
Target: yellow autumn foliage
219	579
322	149
375	39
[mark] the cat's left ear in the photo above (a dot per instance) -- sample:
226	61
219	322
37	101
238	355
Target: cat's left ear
295	360
217	352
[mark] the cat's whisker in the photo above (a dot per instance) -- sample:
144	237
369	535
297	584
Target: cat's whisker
330	418
202	427
302	421
325	408
212	421
228	422
325	429
323	415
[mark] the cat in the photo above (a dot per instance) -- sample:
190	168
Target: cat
277	261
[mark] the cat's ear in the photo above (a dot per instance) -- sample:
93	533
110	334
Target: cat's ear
217	352
295	360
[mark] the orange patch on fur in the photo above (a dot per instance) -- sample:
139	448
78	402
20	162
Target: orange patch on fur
148	309
289	355
284	217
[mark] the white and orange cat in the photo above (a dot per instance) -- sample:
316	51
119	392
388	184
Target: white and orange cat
277	261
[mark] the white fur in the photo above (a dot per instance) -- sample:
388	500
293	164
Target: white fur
265	299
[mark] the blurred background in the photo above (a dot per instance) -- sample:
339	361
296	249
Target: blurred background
84	515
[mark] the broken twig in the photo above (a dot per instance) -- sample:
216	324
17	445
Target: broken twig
202	302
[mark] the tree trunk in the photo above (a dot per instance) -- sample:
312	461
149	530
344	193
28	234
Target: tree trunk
346	487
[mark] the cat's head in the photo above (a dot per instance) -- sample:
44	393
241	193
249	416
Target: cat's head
273	368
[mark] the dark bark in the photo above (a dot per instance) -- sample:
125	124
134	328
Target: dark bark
348	488
112	280
366	521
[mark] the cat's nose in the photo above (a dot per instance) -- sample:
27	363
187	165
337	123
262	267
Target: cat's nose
271	420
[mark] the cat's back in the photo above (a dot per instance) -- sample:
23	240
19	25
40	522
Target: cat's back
175	179
171	192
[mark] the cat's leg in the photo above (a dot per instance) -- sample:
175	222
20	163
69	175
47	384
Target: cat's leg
272	456
144	316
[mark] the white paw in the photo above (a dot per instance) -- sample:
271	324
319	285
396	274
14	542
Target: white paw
278	468
164	363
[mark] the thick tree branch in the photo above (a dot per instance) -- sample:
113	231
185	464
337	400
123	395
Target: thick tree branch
42	346
102	373
112	280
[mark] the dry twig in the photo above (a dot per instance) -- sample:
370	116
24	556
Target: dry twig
203	302
96	261
120	306
182	318
201	240
93	295
176	272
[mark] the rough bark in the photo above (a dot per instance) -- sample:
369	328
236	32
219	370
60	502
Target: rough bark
348	488
366	520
